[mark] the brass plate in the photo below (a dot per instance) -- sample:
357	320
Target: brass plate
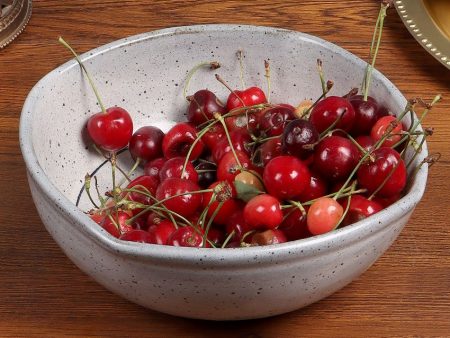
429	22
13	19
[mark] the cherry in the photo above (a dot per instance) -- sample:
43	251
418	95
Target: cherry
385	168
263	212
237	225
286	177
324	215
268	237
203	104
139	236
228	167
273	120
216	236
174	167
111	130
360	208
116	224
250	178
335	157
146	144
239	140
366	142
327	111
299	138
145	184
267	151
382	125
153	167
206	174
387	201
161	232
215	133
366	114
179	140
250	97
243	121
316	188
140	223
294	225
229	205
184	205
187	236
97	217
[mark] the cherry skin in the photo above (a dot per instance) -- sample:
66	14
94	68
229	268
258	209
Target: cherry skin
143	185
161	232
179	140
146	144
299	138
239	140
360	208
335	157
330	109
267	151
139	236
116	223
174	167
228	167
203	104
112	130
229	205
294	225
366	142
237	225
250	97
215	133
366	114
380	128
268	237
187	236
286	177
207	174
273	120
317	187
263	212
184	205
216	236
324	215
386	165
153	167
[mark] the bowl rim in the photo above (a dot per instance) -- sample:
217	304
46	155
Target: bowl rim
224	257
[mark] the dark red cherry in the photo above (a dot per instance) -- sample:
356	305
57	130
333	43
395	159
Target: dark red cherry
267	151
229	204
228	167
330	109
214	134
335	157
243	121
360	208
174	167
366	142
366	114
299	138
153	167
294	225
386	168
206	174
146	144
179	140
112	130
286	177
239	140
237	225
263	212
381	127
273	120
316	188
139	236
203	104
250	97
184	205
161	232
187	236
268	237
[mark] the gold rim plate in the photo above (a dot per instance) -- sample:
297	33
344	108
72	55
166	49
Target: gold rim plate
429	22
14	21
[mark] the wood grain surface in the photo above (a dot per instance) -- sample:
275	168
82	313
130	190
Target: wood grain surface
42	293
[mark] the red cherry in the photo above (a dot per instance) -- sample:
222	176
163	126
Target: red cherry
360	208
243	121
173	168
366	142
153	167
335	157
184	205
229	205
327	111
323	215
146	144
268	237
263	212
251	96
294	225
299	137
380	128
317	188
239	140
112	130
267	151
366	114
216	236
187	236
139	236
372	174
203	104
286	177
179	140
237	225
161	232
387	201
214	134
116	224
146	184
273	120
228	167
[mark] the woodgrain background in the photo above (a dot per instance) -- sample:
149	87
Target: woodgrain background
406	293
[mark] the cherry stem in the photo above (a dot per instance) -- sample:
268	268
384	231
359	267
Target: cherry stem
299	206
225	242
330	128
430	160
100	198
65	44
417	151
211	64
87	187
211	219
373	54
113	174
267	76
221	120
240	55
262	140
349	199
114	221
322	78
328	88
222	81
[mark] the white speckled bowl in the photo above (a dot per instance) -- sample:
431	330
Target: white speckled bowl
145	75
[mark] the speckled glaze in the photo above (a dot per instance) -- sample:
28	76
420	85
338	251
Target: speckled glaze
145	74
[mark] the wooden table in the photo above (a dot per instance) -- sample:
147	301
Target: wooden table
43	294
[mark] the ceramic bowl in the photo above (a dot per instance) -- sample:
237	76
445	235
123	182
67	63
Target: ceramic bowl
145	74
